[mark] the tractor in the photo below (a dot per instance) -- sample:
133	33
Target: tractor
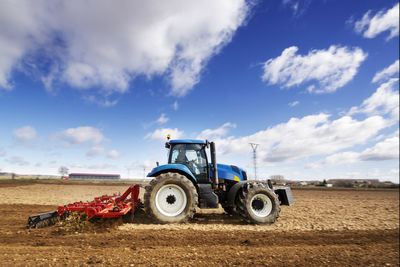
189	181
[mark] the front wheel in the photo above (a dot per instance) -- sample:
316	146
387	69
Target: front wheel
259	205
170	198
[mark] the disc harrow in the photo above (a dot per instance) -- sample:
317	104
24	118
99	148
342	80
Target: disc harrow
106	206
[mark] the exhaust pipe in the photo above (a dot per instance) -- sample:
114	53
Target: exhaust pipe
214	163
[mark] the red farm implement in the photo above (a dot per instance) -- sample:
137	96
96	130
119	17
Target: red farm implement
106	206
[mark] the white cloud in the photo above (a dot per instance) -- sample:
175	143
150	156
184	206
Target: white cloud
331	68
103	101
304	137
161	134
219	132
175	106
293	104
105	45
298	6
95	151
385	100
16	160
162	119
384	150
82	134
386	73
319	135
25	133
113	154
384	20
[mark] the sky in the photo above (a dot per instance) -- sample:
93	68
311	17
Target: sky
96	86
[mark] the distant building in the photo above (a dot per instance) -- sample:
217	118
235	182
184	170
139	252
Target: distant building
277	177
353	182
7	174
93	176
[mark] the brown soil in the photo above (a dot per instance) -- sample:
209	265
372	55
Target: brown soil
323	228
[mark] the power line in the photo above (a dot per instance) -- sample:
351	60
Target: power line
254	147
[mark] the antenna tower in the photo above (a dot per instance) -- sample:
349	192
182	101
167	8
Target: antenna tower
254	147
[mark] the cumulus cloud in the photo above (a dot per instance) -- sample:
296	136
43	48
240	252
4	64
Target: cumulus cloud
330	69
82	134
293	104
16	160
175	106
216	133
113	154
25	133
384	20
161	134
385	100
319	134
386	73
162	119
298	6
105	44
307	136
384	150
95	151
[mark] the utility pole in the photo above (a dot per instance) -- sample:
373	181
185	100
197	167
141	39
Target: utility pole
254	147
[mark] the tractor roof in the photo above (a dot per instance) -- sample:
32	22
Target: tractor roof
187	141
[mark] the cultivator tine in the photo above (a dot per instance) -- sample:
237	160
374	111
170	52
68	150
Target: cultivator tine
42	220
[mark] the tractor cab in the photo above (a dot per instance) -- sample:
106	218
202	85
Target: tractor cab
192	154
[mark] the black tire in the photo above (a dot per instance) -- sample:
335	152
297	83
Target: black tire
258	204
157	198
230	210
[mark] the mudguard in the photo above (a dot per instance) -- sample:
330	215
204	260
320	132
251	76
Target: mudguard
172	168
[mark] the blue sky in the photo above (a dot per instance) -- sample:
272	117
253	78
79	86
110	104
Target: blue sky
97	86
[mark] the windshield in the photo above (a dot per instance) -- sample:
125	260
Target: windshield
191	155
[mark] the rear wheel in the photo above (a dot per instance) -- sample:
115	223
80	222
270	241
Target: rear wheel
170	198
259	204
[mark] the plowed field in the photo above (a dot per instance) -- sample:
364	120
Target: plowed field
323	228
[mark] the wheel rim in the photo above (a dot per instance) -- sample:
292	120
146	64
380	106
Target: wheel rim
261	205
170	200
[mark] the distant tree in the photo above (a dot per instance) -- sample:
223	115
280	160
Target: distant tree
63	171
323	183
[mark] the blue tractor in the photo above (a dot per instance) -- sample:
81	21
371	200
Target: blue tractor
189	181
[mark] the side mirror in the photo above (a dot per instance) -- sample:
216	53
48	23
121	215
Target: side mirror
157	163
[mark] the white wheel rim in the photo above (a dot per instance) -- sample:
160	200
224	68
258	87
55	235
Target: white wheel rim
170	200
263	203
